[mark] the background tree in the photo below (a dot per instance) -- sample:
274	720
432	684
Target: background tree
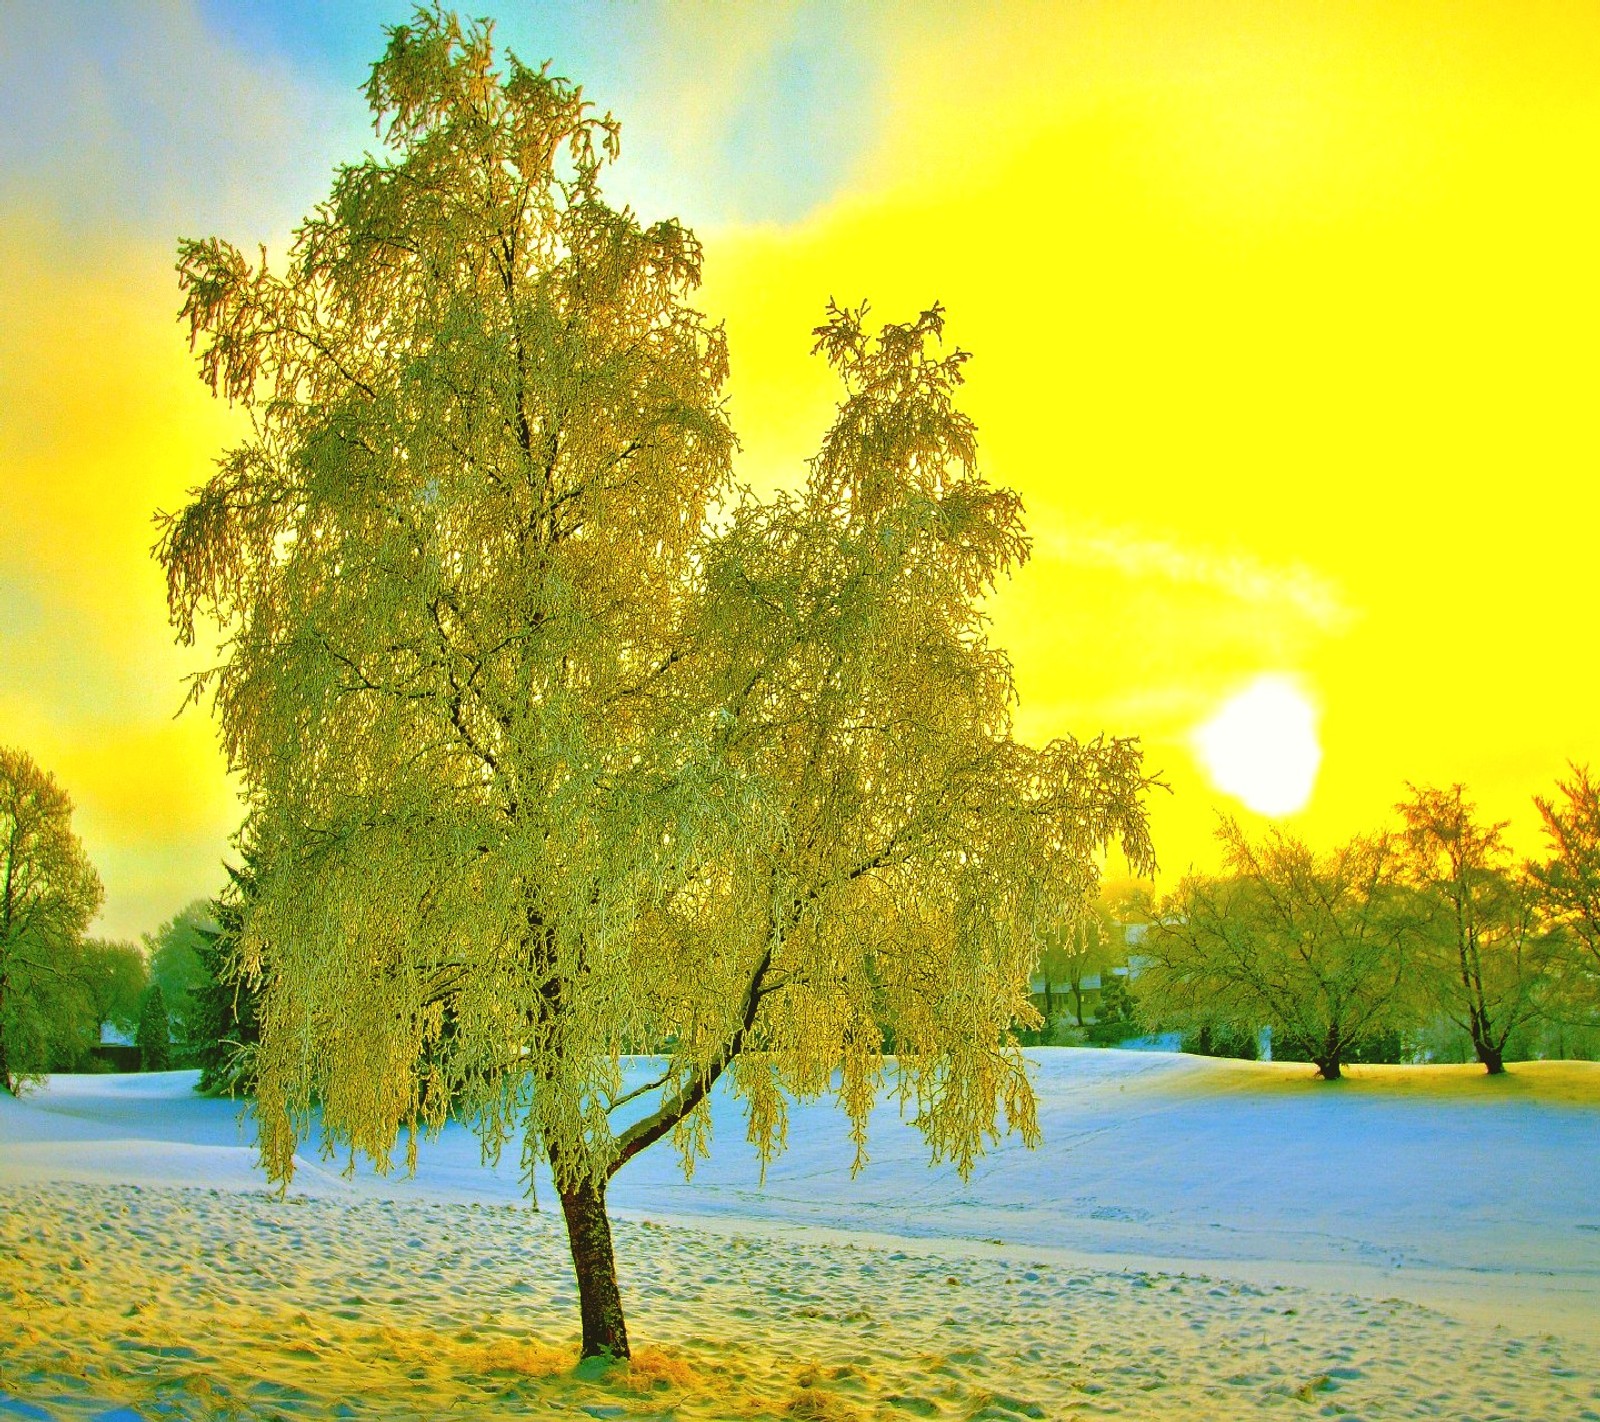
1569	881
1116	1014
1488	956
154	1034
1129	904
1084	947
1226	1040
114	976
225	1024
1314	946
538	773
48	893
90	982
177	963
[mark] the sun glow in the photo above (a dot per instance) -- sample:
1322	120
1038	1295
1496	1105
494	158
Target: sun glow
1261	747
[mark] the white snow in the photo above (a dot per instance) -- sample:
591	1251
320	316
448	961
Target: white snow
1479	1199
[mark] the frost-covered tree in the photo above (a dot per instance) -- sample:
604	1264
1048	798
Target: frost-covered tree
1315	945
1569	881
48	893
153	1035
1488	956
898	857
174	952
114	977
225	1024
1082	947
548	761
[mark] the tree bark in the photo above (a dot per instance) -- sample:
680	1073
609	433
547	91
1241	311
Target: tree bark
1492	1057
5	1059
605	1334
1332	1050
1333	1045
583	1198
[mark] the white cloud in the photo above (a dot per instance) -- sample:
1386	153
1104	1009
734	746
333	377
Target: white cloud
135	118
1286	587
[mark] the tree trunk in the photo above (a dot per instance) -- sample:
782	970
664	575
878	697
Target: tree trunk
1332	1050
5	1061
599	1300
1492	1057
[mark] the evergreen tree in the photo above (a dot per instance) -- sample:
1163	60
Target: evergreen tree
225	1023
1116	1017
154	1033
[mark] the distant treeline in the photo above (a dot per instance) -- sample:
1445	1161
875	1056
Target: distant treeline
1425	941
71	1003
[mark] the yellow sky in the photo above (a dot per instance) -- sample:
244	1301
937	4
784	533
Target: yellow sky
1283	319
1284	322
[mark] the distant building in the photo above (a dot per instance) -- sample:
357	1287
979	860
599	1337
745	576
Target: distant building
116	1049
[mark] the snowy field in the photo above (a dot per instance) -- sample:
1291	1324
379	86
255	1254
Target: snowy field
1194	1239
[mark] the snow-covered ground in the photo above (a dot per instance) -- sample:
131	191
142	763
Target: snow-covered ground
1177	1209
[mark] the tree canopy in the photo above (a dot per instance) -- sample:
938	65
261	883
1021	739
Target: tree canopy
48	893
557	747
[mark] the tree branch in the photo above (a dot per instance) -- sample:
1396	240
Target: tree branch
645	1133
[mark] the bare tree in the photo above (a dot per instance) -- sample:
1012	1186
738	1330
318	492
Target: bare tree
1488	957
1314	946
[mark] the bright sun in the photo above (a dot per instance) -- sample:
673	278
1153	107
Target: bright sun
1261	746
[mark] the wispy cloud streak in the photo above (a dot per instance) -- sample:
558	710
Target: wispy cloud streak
1287	587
